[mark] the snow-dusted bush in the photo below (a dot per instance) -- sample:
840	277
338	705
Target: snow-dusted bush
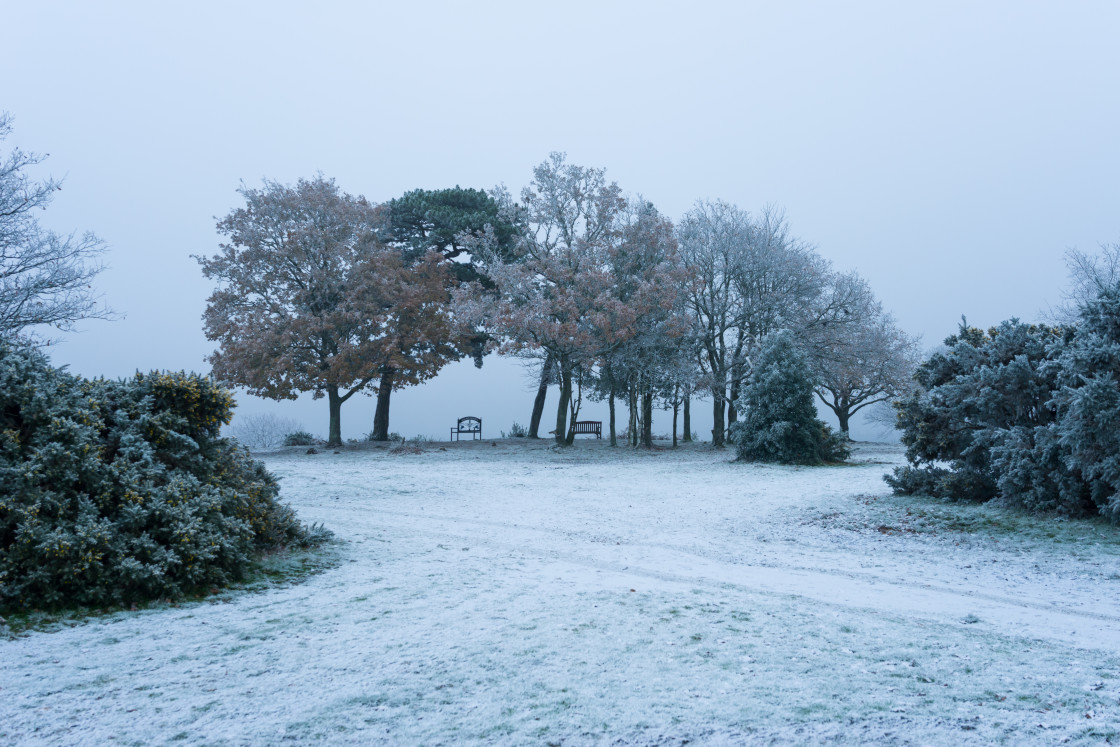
299	438
1088	404
1026	414
118	491
780	423
970	396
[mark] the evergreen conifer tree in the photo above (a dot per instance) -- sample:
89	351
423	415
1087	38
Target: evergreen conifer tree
780	423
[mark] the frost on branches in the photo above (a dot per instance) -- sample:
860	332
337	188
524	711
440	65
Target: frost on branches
755	278
114	492
780	422
1025	414
44	277
591	272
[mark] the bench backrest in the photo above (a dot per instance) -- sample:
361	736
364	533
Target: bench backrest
471	424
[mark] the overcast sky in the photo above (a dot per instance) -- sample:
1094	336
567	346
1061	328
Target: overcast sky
948	152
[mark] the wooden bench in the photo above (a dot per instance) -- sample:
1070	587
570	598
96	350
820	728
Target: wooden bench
589	427
470	424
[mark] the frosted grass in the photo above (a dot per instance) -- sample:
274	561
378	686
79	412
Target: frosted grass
518	593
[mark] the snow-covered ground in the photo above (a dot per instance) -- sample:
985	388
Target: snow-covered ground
509	592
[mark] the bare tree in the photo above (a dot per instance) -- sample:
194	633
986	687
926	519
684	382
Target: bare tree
755	278
262	431
1089	275
44	276
869	362
712	235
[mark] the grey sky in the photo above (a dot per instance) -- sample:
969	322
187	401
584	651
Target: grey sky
949	152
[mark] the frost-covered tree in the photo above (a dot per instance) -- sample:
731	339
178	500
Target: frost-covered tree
44	276
645	342
754	278
780	421
547	298
712	236
592	275
310	299
1090	274
865	363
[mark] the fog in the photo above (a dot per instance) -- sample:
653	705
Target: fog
950	153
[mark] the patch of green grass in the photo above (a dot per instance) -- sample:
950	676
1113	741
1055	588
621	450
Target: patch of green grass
922	515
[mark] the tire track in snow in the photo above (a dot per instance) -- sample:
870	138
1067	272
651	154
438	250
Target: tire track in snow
1006	615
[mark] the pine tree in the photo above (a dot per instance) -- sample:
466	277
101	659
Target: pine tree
780	423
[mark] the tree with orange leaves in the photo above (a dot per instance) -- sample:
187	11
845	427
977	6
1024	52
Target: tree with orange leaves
310	299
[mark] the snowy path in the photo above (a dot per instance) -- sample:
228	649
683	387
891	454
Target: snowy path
518	594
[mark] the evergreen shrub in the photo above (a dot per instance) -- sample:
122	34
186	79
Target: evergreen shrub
1028	415
114	492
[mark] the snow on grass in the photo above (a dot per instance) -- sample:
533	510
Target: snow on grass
517	593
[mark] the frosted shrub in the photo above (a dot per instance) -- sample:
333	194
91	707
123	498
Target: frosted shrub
119	491
299	438
780	424
970	399
1087	406
1028	415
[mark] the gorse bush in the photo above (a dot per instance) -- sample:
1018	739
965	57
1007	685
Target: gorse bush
1028	415
780	423
114	492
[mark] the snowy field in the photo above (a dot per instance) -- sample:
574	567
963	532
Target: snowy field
520	594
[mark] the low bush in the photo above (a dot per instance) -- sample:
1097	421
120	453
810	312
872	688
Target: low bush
299	438
516	431
114	492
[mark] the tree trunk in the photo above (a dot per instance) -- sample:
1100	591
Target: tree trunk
676	408
647	418
717	417
381	413
562	406
334	437
733	397
632	408
843	415
687	438
610	405
542	392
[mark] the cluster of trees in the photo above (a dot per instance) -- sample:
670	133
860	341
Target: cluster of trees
325	292
1026	414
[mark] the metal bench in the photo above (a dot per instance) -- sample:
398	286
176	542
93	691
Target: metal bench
470	424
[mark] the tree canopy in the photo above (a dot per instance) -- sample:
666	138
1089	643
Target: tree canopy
311	299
